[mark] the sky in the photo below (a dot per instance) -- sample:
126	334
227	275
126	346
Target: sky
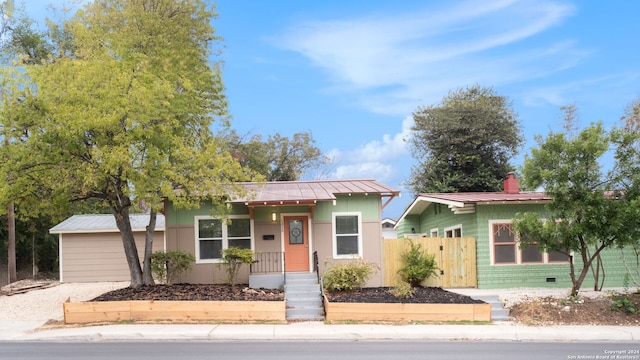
352	72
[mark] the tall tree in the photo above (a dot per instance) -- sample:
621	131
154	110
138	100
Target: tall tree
279	158
130	101
587	213
20	44
464	143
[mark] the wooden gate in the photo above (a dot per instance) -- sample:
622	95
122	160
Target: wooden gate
456	259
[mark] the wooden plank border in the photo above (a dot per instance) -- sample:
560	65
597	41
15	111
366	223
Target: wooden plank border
376	312
179	311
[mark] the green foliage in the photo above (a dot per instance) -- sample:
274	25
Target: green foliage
279	158
348	276
417	265
232	259
124	113
586	214
465	142
169	266
403	290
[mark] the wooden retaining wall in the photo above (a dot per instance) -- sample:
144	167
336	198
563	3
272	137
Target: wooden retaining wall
345	312
456	259
180	311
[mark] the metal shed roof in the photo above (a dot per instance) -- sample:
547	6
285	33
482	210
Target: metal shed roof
103	223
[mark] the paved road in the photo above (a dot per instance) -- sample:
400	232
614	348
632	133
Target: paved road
352	350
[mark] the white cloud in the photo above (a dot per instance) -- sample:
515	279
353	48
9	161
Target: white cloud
395	62
375	158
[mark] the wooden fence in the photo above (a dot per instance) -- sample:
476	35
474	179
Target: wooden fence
456	259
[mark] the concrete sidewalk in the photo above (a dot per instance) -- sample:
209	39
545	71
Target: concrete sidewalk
318	331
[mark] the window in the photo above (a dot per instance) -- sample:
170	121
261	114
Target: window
454	231
347	235
434	232
213	235
506	248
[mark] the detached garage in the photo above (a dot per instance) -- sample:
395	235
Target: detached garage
91	247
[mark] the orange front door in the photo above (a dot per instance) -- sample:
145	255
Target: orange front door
296	243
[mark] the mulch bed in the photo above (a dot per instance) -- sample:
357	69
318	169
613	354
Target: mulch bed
422	295
193	292
221	292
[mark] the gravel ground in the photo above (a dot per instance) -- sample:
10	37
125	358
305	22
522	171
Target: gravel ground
514	296
46	304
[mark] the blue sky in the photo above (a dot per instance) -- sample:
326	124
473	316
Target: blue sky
352	72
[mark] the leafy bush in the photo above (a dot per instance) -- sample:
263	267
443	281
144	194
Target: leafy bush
232	259
417	265
349	276
626	303
403	290
168	266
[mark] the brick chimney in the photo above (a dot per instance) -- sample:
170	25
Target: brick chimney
511	184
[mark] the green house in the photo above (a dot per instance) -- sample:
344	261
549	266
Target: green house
500	261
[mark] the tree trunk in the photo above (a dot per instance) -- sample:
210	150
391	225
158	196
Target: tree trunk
587	261
147	276
123	221
11	227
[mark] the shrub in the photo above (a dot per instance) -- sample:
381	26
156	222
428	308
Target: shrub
403	290
168	266
232	259
417	265
349	276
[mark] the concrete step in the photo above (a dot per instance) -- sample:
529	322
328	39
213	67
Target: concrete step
304	303
303	296
498	312
305	314
302	287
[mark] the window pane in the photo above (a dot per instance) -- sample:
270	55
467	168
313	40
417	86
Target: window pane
209	228
556	256
296	232
502	233
347	224
210	249
505	254
457	232
347	245
530	254
239	228
240	243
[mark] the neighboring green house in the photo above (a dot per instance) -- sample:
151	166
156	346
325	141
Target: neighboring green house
288	224
487	217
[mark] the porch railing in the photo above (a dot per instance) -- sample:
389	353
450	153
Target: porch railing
316	265
267	262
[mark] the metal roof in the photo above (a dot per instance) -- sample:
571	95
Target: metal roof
461	203
103	223
485	197
286	192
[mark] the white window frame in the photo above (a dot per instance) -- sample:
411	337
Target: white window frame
433	232
334	235
519	262
453	229
225	237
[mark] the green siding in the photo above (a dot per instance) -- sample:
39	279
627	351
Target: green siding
182	217
368	205
510	276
